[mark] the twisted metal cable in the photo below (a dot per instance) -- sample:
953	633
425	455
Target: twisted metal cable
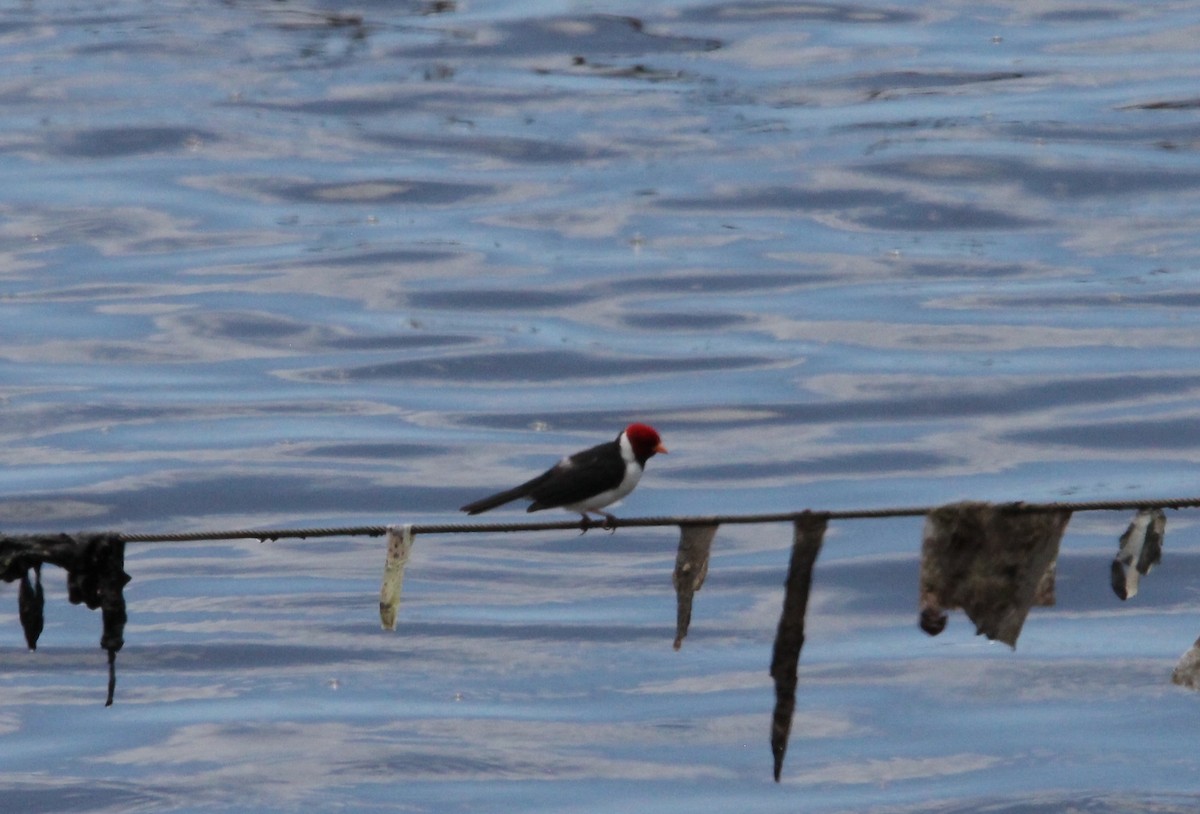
265	535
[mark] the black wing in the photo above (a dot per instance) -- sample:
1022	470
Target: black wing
579	477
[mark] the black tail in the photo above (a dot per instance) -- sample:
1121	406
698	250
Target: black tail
498	499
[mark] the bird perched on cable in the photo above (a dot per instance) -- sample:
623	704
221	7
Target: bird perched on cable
587	481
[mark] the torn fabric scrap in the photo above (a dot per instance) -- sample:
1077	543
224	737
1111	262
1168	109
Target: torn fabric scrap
399	548
993	563
1141	550
809	532
691	567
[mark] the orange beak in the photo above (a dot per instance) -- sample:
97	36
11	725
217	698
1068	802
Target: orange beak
661	448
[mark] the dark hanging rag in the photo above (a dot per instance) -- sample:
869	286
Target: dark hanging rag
809	532
95	566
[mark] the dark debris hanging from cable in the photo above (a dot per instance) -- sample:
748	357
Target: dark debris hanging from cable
95	566
994	561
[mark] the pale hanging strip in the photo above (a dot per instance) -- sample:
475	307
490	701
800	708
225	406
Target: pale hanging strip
399	549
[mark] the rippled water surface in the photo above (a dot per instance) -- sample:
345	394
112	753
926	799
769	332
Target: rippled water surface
273	264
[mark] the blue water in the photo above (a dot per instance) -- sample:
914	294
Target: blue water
292	264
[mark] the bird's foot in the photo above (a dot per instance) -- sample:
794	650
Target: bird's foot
586	522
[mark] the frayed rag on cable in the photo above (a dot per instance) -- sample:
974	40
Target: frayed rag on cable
992	562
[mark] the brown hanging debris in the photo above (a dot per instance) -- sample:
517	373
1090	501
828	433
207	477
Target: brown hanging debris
809	532
691	567
1187	671
992	562
1141	550
95	566
400	542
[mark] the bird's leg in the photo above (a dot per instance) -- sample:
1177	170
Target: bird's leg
585	523
610	522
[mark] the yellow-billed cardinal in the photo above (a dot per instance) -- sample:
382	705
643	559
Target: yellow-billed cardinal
586	481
